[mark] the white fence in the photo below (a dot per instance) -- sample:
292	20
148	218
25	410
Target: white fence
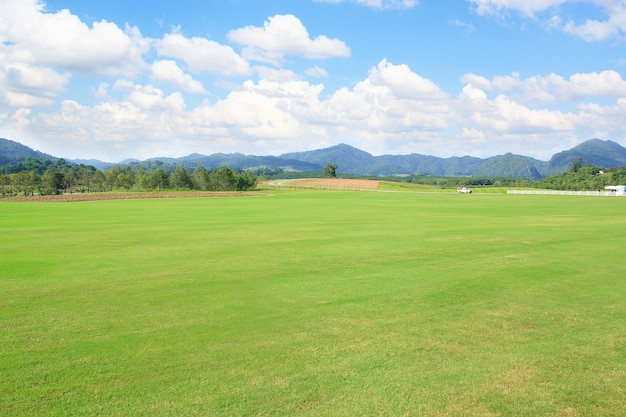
553	192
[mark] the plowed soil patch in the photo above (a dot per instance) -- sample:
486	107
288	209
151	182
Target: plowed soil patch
341	183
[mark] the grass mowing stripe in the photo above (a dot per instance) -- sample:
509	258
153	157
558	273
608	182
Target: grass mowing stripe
314	304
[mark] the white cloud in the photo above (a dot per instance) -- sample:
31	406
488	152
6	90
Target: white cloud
150	98
23	85
405	83
203	55
603	84
594	30
377	4
527	7
20	119
36	80
36	37
609	119
590	30
140	126
510	125
516	115
391	106
16	99
474	136
512	117
272	74
316	72
553	87
170	72
285	35
123	85
102	91
393	100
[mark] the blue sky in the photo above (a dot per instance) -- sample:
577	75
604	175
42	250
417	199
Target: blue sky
138	79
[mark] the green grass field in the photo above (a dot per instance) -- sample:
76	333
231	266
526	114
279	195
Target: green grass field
314	303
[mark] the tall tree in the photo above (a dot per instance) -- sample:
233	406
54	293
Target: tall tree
52	182
5	185
84	178
200	178
222	179
143	179
180	179
246	181
98	181
330	170
159	179
111	175
575	165
126	179
69	180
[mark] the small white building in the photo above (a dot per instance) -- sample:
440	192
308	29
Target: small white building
618	189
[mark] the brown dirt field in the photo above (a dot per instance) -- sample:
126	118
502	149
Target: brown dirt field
341	183
64	198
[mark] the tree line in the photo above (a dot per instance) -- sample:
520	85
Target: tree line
48	177
57	177
583	177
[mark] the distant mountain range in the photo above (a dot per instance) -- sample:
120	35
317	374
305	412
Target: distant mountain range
350	160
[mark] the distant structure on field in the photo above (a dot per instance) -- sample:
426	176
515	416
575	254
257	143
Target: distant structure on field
618	189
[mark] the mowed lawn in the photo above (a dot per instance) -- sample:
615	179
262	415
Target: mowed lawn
314	303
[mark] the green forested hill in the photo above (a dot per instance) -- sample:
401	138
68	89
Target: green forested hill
11	152
602	153
350	160
513	166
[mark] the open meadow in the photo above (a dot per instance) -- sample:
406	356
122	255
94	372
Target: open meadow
314	303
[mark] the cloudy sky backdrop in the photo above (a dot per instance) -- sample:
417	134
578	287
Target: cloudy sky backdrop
120	79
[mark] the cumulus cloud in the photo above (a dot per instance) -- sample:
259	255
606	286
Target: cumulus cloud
553	87
203	55
404	83
590	30
123	85
594	30
393	100
392	105
41	50
285	35
150	98
143	124
20	120
508	116
24	85
170	72
36	37
272	74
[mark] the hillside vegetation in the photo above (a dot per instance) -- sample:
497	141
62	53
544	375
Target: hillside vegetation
352	161
59	178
